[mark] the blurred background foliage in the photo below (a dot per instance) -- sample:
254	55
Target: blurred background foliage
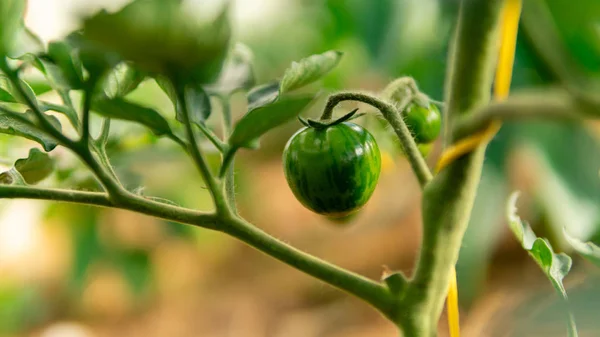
78	271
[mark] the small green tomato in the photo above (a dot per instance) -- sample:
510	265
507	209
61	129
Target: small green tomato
424	123
332	170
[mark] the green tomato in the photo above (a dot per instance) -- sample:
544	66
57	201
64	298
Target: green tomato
334	170
424	123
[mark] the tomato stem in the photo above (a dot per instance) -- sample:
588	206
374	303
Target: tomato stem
448	199
198	157
394	117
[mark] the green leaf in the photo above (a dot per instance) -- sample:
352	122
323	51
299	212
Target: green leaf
11	23
119	108
555	266
13	125
64	56
53	73
198	104
163	37
36	167
263	95
298	75
12	177
40	87
102	139
586	249
309	70
122	80
165	84
26	42
8	88
5	96
237	72
259	121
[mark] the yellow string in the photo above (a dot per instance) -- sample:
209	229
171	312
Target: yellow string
510	25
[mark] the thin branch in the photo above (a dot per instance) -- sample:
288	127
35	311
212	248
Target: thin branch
394	117
113	187
65	110
70	111
227	129
212	138
197	156
547	105
85	113
372	292
131	203
42	118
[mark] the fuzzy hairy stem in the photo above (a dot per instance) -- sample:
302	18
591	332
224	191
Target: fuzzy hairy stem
448	199
555	105
85	113
227	129
131	203
372	292
81	149
394	117
198	157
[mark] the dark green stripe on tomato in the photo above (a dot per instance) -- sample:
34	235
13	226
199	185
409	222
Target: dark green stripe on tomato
332	171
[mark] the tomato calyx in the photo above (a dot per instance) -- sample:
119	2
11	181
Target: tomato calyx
324	124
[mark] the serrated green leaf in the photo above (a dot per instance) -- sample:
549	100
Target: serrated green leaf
237	72
298	75
589	250
122	80
8	88
309	70
555	266
12	177
64	56
40	87
263	95
119	108
11	22
168	88
53	73
12	125
5	96
259	121
198	104
162	37
36	167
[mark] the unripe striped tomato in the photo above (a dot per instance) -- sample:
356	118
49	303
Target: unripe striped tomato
332	170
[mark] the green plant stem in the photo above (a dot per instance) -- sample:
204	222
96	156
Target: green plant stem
65	110
42	118
372	292
229	175
131	203
212	138
114	189
394	117
85	113
201	164
448	199
547	105
69	110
